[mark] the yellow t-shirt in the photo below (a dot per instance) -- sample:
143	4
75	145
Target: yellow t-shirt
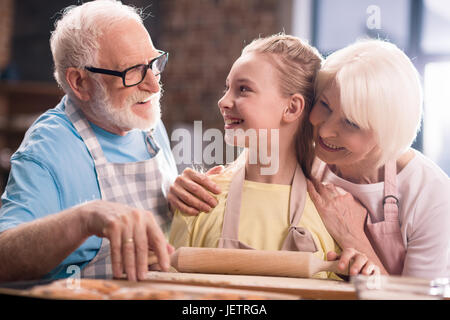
263	225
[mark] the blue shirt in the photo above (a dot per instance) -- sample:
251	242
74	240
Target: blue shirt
52	170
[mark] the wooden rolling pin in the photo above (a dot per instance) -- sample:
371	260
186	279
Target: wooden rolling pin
248	262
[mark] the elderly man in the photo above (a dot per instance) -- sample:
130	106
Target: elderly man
87	185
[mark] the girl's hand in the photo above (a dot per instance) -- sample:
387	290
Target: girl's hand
343	216
355	262
189	193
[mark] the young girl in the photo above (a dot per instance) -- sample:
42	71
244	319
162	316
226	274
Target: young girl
269	88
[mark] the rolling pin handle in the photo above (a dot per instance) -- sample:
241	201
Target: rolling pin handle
153	259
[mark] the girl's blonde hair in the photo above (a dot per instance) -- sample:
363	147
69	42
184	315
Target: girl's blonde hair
296	63
380	90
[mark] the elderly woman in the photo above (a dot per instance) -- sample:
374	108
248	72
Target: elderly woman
367	113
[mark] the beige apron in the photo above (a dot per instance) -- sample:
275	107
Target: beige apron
384	236
137	184
298	238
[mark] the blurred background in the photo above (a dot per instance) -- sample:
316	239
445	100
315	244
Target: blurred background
204	37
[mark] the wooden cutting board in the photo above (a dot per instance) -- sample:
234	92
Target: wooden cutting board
306	288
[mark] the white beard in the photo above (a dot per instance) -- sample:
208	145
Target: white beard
122	116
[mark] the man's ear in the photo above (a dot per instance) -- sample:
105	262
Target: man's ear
294	109
79	82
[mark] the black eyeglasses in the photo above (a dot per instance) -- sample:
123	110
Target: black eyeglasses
134	75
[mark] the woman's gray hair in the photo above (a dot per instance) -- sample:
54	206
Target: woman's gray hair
74	42
380	90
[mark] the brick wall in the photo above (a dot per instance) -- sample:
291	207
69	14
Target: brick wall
204	37
6	14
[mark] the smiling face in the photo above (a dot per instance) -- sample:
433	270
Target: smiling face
338	141
252	98
124	45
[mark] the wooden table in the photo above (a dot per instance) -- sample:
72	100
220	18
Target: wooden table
197	285
273	288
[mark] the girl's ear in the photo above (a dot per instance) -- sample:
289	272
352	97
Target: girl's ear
294	109
78	82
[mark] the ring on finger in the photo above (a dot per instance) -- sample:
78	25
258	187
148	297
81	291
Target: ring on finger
129	240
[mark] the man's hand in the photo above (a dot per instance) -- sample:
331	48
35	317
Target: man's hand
189	193
132	233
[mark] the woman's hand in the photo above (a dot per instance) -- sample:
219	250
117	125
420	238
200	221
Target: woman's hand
189	193
343	216
355	262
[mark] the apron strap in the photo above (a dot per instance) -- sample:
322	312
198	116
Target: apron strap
385	236
297	197
390	200
298	238
230	228
84	129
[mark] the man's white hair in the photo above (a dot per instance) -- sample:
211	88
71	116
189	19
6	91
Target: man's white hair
74	42
380	90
